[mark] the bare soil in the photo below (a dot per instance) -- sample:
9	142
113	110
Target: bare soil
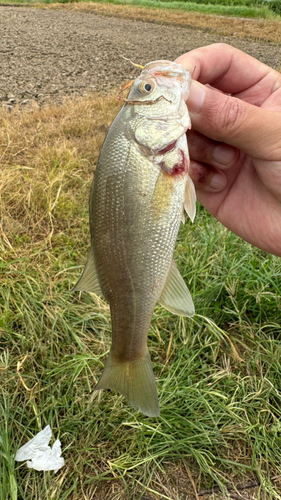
49	54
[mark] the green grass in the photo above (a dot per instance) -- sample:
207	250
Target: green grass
221	8
219	380
238	8
224	8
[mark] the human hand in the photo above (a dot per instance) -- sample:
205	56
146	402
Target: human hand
235	141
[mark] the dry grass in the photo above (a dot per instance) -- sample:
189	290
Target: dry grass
267	30
46	154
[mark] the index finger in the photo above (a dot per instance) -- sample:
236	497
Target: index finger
227	68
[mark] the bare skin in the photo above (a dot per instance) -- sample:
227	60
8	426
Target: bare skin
235	142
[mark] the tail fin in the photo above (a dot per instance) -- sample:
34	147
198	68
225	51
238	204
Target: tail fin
135	380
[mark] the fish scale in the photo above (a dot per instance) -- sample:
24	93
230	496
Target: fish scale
140	187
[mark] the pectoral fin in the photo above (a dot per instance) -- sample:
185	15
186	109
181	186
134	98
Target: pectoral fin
176	297
89	281
190	199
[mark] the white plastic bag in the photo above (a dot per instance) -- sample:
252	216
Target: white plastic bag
38	453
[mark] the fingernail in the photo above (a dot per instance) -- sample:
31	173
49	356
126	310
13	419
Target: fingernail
217	182
196	97
223	154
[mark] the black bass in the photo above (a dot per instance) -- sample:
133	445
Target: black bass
140	188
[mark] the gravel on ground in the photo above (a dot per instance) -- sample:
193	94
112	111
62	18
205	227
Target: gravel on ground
47	55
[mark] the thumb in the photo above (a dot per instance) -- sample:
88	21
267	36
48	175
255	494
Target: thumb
254	130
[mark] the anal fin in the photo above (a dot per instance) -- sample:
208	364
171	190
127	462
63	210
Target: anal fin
176	297
88	281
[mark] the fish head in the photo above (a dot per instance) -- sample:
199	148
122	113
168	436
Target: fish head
163	84
158	117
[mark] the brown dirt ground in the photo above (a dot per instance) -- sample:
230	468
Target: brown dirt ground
74	49
267	30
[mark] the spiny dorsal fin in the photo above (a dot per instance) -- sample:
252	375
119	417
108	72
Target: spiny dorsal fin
176	297
89	281
190	199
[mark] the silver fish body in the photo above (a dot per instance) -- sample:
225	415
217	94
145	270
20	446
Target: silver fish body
140	187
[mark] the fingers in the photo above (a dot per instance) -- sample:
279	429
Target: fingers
212	184
227	68
208	161
224	118
207	179
250	118
214	153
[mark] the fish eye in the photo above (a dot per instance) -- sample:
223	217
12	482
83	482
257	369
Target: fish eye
146	87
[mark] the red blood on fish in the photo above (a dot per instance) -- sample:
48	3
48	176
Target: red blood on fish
179	168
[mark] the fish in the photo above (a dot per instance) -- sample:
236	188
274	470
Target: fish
140	189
